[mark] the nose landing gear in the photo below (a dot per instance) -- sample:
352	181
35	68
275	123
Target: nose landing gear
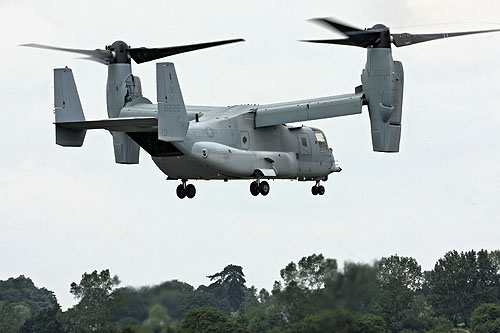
257	187
184	190
318	189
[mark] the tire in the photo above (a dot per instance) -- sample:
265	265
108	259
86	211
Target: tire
321	190
254	189
190	191
314	190
264	188
181	191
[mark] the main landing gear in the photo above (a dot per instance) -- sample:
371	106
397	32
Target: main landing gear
318	189
257	187
184	190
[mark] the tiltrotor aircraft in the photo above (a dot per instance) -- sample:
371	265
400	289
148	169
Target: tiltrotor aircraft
238	142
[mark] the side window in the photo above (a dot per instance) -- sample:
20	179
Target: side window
304	142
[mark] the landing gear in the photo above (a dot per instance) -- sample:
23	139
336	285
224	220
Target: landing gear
181	191
264	188
184	190
254	188
257	187
190	191
318	189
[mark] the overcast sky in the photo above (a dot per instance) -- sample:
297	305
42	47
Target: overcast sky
66	211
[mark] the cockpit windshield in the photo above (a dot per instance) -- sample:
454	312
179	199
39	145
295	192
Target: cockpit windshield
320	137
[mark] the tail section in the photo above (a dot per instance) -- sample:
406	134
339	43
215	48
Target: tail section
67	108
173	121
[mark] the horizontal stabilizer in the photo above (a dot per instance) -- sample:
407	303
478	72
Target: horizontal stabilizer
129	125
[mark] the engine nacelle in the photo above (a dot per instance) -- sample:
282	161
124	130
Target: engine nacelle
383	80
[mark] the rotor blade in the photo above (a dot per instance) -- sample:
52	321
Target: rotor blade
406	39
364	39
345	41
144	54
335	25
102	56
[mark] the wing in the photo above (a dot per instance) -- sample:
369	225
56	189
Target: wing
309	109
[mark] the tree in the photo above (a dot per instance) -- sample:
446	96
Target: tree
22	291
400	281
208	319
486	319
158	319
369	323
356	288
339	321
94	293
9	319
310	273
462	281
229	284
44	321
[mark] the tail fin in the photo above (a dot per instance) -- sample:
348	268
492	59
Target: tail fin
173	120
67	108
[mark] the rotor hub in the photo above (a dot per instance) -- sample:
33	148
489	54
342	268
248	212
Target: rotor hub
119	50
384	39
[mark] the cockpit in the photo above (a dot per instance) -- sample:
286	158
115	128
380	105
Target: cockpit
321	139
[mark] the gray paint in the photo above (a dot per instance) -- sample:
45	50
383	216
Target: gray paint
67	107
173	121
310	109
382	81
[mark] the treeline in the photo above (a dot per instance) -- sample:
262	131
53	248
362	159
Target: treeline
461	293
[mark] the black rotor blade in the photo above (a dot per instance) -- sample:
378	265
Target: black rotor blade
364	38
344	41
355	36
144	54
335	25
102	56
406	39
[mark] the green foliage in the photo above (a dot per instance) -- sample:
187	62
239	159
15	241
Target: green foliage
356	288
44	321
9	319
230	285
158	320
301	293
486	319
369	323
342	321
462	281
208	319
312	296
401	281
22	291
92	313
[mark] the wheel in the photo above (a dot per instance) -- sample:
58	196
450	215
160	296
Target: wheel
254	189
190	191
321	190
264	188
314	190
181	191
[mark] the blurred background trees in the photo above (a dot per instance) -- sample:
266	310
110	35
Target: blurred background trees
312	295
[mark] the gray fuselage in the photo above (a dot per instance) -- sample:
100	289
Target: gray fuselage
224	144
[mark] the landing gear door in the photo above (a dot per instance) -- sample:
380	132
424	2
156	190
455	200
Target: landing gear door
304	144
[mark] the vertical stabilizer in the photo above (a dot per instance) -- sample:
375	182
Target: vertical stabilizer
173	120
67	108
